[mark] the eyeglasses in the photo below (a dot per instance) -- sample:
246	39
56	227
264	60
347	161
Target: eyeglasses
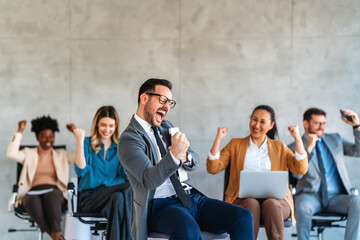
163	99
319	123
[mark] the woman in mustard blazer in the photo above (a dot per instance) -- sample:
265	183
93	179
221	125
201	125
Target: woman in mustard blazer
260	152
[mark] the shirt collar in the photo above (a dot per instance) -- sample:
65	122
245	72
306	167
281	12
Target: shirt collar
144	124
263	146
112	145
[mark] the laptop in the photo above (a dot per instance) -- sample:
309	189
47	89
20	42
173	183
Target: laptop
263	184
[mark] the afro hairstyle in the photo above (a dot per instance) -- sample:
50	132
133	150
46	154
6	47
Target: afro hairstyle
41	123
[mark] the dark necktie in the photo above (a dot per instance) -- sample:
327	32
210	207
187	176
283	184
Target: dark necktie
324	192
184	198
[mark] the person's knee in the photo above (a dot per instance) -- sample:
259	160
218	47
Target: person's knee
304	208
271	203
252	203
271	206
243	216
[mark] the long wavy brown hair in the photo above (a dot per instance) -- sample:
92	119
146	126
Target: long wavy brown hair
104	111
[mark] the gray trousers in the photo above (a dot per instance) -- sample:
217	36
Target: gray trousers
307	204
114	203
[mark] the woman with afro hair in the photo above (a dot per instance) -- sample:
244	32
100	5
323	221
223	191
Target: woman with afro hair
44	176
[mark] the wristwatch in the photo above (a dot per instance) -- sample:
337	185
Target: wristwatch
188	157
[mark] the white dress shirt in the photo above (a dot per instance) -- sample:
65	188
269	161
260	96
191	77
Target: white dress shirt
166	189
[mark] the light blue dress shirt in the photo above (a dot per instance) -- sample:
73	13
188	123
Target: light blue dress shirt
333	180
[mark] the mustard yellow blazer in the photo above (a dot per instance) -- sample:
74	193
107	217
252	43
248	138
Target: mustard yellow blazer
281	157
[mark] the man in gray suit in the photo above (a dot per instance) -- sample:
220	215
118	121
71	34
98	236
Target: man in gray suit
151	157
326	186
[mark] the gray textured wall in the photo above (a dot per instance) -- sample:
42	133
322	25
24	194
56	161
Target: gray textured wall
68	58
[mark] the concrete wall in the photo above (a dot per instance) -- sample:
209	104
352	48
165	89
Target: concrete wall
224	57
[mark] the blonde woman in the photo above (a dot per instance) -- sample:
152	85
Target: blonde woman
103	185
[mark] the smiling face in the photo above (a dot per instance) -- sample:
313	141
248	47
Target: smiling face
260	124
316	125
106	128
154	112
46	139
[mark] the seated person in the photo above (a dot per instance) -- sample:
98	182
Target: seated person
259	152
161	201
44	169
103	185
326	186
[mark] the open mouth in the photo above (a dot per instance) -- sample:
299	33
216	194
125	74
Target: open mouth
160	114
256	130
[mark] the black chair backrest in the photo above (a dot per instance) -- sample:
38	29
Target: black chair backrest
19	166
292	180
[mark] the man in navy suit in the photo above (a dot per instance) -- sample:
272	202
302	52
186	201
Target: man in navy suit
326	186
151	157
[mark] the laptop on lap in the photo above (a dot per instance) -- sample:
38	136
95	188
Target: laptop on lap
263	184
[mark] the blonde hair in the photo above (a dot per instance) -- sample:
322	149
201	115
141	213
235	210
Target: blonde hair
104	111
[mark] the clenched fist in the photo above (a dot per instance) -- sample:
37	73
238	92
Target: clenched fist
79	134
179	144
294	131
22	125
221	133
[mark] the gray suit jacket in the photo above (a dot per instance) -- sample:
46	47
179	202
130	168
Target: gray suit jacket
145	171
338	147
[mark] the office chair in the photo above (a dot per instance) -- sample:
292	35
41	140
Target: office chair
99	222
96	220
287	222
19	211
321	220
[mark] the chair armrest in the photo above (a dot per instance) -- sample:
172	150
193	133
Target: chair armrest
12	200
293	190
354	191
71	198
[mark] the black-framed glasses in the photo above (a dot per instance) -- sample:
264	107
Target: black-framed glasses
163	99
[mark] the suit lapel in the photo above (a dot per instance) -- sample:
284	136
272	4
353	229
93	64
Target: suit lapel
32	165
243	149
154	159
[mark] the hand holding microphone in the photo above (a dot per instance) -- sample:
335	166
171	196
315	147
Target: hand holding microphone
179	144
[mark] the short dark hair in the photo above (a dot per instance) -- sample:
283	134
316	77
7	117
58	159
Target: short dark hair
149	85
272	133
41	123
313	111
